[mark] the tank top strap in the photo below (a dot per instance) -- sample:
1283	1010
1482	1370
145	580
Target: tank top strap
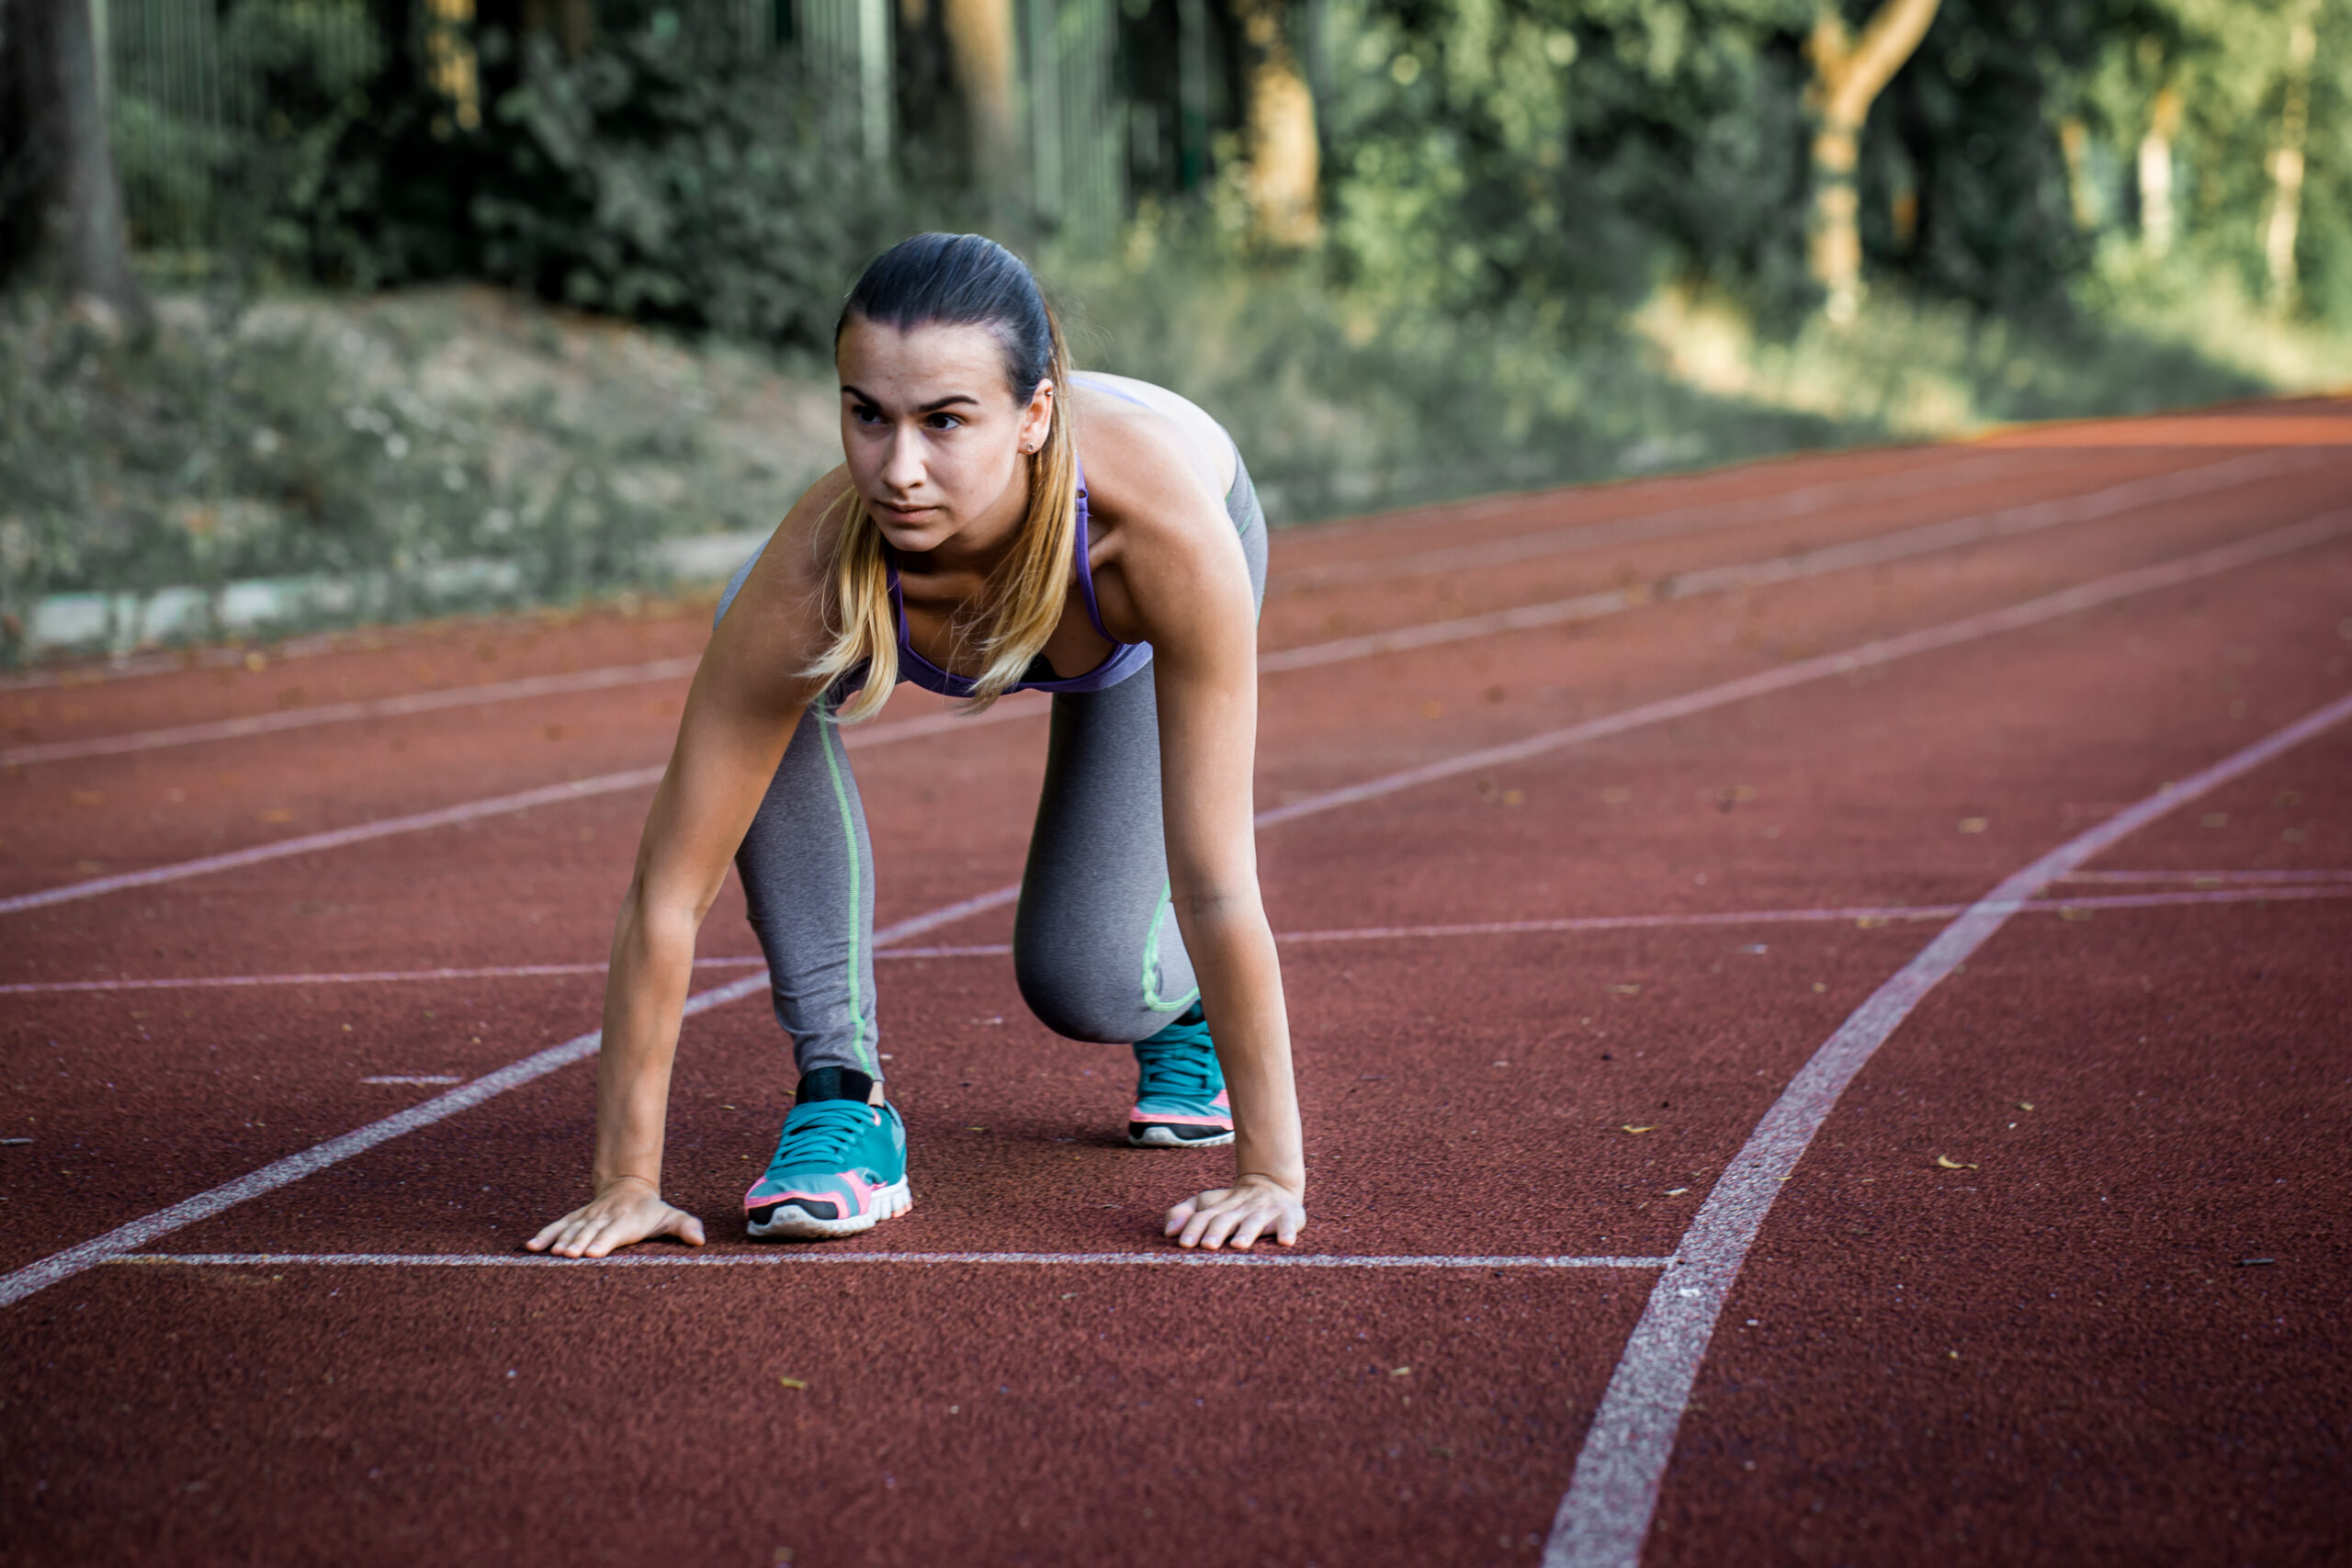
1085	567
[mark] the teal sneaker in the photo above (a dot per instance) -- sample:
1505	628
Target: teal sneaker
840	1166
1180	1101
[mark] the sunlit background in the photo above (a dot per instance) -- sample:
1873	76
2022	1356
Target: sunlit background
438	304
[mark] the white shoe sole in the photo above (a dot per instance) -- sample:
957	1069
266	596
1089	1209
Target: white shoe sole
1160	1137
792	1223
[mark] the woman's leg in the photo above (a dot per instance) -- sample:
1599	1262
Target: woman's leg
1095	945
807	870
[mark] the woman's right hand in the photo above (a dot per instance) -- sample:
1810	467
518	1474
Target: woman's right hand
628	1210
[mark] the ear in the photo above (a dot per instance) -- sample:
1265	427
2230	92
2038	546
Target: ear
1037	418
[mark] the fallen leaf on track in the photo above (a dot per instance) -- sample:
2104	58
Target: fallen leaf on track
1945	1162
1626	990
1675	1192
1974	824
2025	1105
1870	922
1400	1371
1629	1128
792	1383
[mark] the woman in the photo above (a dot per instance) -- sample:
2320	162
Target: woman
999	526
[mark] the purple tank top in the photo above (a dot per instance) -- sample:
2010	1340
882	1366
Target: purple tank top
1125	659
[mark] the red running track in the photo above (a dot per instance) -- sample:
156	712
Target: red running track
1961	834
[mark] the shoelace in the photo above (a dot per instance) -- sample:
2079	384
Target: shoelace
1178	1062
818	1136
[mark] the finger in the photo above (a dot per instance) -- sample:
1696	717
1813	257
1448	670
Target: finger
539	1242
1252	1225
611	1235
1180	1216
1286	1229
1220	1227
582	1236
1196	1226
685	1227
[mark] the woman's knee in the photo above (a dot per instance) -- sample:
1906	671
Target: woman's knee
1079	1000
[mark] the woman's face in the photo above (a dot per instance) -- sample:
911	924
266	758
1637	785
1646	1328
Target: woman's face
935	439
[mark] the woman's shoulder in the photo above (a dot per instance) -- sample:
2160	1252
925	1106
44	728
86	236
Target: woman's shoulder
1132	433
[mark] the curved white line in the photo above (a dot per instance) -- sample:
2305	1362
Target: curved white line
1605	1515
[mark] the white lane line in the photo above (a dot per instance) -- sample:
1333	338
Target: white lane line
353	976
417	1077
2326	526
2212	878
683	1260
1694	517
140	1233
2324	884
471	811
1605	1515
126	666
1940	536
1861	915
345	713
1957	533
1779	505
1877	551
2261	547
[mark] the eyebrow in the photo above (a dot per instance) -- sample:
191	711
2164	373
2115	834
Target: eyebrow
950	400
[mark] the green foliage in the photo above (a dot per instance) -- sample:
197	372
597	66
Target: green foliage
1509	149
666	173
1968	133
1356	396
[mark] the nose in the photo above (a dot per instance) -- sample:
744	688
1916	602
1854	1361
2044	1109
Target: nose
902	469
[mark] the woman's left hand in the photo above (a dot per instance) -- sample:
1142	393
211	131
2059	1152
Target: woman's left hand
1254	1206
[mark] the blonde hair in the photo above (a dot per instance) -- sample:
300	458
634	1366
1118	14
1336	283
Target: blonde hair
955	280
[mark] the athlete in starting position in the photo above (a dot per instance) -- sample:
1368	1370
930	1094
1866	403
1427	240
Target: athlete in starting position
999	526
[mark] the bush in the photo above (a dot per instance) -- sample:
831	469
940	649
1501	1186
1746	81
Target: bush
232	444
666	175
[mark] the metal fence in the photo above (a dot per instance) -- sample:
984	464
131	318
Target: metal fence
186	80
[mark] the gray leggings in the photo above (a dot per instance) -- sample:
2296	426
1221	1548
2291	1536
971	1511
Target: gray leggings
1095	947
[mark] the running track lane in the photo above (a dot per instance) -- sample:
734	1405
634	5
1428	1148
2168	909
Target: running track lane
138	1234
1606	1514
2299	536
2003	522
2267	888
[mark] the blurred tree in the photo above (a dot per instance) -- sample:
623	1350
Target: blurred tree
980	44
60	208
1285	159
1848	75
2287	158
2154	168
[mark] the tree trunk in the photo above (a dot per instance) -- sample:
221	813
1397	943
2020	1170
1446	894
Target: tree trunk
1847	76
980	48
2156	172
64	227
2287	165
1285	158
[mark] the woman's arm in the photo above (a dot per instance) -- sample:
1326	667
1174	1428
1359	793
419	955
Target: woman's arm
746	700
1183	582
